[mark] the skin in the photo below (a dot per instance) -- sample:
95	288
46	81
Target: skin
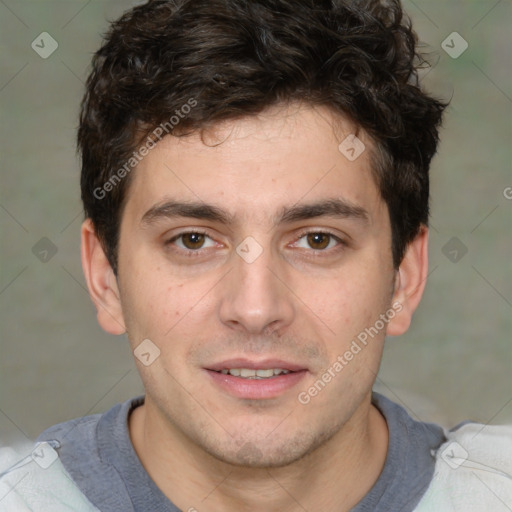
302	300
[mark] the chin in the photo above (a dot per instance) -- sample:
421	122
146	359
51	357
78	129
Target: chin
270	452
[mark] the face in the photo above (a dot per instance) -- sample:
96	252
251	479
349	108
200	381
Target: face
260	247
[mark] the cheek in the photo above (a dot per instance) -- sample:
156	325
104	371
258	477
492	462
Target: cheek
352	299
165	306
149	300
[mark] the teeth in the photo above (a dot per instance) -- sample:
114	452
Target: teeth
247	373
264	373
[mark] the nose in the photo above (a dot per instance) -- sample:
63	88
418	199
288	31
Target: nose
255	298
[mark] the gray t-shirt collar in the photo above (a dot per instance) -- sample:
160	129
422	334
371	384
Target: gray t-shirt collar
98	454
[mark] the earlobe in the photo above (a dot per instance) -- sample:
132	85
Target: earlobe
410	283
101	281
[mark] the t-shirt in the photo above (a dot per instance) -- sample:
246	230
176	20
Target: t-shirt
92	465
99	456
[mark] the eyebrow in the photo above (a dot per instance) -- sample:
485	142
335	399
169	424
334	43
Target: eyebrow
337	208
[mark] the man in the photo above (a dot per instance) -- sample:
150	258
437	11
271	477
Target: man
255	184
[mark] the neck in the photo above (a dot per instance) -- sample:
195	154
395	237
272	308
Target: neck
334	477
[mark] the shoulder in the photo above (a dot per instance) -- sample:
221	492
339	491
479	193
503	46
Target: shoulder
79	428
50	474
473	471
35	480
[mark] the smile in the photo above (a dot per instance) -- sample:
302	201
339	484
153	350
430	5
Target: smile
255	383
248	373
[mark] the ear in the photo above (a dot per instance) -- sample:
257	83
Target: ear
409	283
101	281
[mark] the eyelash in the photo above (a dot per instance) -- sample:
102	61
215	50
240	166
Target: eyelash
187	252
318	252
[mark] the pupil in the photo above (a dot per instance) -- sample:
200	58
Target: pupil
318	239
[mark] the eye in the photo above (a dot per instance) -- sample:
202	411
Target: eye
318	240
191	241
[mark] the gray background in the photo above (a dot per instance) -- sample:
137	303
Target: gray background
56	363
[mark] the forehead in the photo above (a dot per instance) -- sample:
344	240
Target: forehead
255	166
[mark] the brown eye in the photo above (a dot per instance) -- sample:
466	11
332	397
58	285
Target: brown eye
318	241
193	240
191	243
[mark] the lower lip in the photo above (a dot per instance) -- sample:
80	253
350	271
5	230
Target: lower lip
256	389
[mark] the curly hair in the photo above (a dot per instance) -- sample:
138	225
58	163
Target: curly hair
235	58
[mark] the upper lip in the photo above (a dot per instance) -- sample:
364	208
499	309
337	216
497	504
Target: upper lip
264	364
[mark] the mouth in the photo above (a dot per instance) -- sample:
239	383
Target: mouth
256	380
247	373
